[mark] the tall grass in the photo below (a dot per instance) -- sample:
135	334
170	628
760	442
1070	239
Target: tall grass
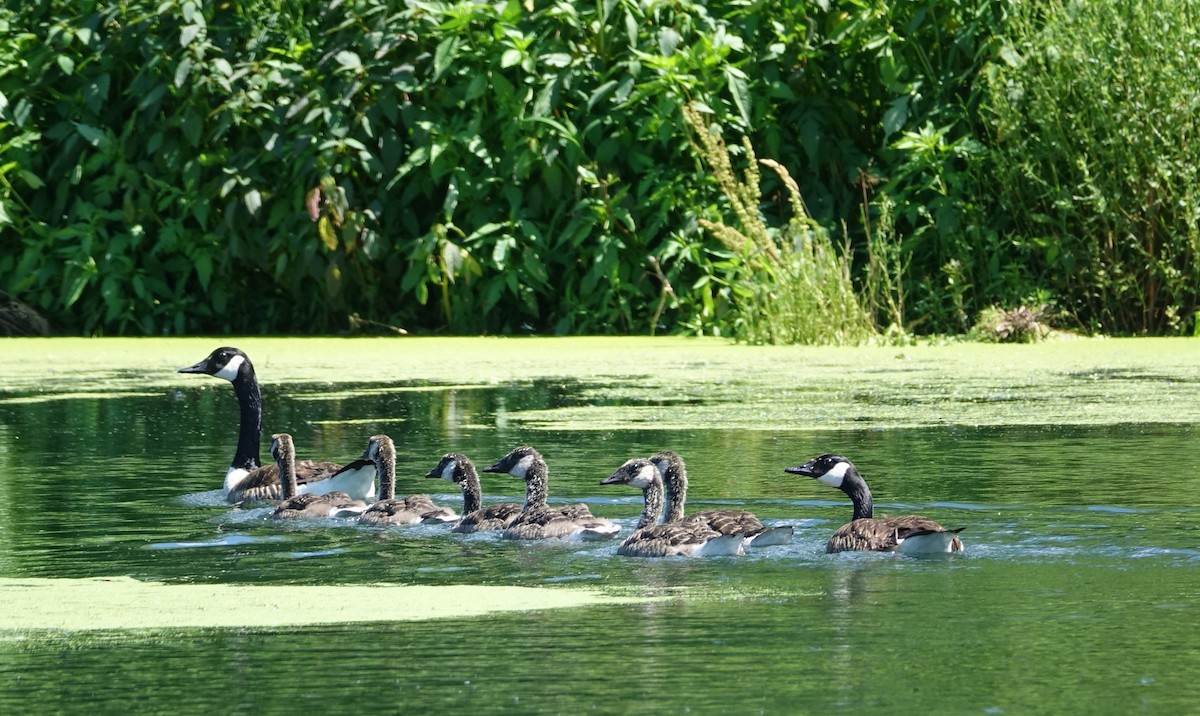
1095	114
793	286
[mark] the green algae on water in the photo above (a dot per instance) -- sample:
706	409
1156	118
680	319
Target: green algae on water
125	603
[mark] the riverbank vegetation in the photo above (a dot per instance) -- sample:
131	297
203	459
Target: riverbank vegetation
279	166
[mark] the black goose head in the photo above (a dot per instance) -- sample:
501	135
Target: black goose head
225	362
828	469
517	463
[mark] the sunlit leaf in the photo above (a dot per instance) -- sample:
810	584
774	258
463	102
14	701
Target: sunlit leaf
253	201
325	230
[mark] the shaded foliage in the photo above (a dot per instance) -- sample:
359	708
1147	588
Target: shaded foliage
282	166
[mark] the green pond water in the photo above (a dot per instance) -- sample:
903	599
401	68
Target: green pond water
127	585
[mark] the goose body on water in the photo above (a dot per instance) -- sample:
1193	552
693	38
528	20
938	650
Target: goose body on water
537	519
912	534
392	510
677	539
457	468
674	477
247	479
310	506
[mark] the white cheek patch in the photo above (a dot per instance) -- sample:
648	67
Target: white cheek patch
230	371
644	477
522	467
835	475
448	471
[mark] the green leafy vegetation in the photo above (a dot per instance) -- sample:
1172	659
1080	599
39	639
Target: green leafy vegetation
268	166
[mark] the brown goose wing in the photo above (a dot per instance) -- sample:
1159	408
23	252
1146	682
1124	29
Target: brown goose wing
492	517
864	534
728	522
881	534
263	483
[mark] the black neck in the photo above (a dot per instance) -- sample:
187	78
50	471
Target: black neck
653	494
250	430
860	495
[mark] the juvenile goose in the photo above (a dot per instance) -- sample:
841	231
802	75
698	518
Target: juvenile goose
692	539
539	521
457	468
390	510
912	534
726	522
247	478
330	504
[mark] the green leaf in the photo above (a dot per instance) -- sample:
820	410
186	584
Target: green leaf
188	34
192	126
349	61
444	56
895	117
66	64
510	58
90	134
735	80
253	201
182	70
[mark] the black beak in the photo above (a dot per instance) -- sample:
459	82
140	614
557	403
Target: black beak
495	468
198	368
433	473
612	479
806	469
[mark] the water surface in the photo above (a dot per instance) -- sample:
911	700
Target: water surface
1077	593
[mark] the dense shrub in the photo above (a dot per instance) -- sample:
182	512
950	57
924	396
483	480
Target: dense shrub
1095	161
285	166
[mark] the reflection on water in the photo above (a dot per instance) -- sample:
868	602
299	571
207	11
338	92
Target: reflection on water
1076	593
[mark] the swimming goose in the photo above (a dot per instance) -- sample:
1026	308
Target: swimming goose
390	510
330	504
910	533
726	522
694	539
247	479
457	468
540	521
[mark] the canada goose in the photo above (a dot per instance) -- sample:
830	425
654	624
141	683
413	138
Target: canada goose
390	510
457	468
539	521
910	533
330	504
247	479
726	522
692	539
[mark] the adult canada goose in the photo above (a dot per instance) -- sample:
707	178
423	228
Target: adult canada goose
247	478
330	504
457	468
726	522
911	534
390	510
540	521
692	539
